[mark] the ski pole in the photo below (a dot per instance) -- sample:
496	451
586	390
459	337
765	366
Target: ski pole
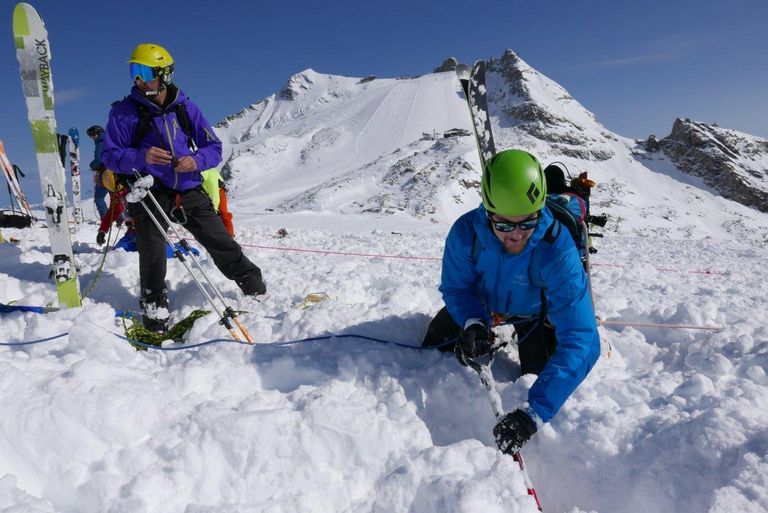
229	313
180	257
486	377
225	315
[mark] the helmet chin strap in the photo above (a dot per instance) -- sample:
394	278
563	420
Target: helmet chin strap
162	83
153	92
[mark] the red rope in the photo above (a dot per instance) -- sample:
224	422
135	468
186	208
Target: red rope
662	269
406	257
654	325
325	252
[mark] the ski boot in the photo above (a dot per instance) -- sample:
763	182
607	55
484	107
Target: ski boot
154	311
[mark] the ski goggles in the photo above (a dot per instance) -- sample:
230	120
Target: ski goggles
148	73
509	226
143	72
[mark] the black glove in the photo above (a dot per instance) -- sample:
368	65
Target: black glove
513	431
475	341
100	238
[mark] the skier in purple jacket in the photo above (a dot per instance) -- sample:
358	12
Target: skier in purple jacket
158	131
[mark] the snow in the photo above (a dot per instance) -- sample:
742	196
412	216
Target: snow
670	419
673	420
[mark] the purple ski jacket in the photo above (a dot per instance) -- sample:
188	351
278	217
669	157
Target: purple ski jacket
164	132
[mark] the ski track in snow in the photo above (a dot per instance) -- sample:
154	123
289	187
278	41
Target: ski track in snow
673	420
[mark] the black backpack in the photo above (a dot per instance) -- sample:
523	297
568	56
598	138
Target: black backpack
13	219
145	122
570	211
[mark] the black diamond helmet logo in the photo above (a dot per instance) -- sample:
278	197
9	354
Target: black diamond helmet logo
533	193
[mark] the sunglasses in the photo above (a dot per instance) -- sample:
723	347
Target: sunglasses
509	226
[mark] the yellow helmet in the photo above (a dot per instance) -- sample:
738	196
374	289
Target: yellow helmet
154	56
149	61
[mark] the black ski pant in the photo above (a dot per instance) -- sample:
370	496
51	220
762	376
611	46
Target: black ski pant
537	341
204	224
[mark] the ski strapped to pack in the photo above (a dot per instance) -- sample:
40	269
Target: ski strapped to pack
475	92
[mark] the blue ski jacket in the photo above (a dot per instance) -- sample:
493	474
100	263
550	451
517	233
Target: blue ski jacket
480	278
98	147
164	132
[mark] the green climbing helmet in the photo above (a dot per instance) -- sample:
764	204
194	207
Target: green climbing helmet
513	184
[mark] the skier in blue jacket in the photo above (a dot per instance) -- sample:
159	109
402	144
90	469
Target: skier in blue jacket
511	260
96	133
158	131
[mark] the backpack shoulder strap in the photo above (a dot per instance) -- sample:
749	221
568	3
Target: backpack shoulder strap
182	116
538	252
143	124
564	216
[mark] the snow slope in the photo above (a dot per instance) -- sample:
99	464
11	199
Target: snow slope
672	418
334	144
346	146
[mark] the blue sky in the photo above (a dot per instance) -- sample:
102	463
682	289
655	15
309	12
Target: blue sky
636	65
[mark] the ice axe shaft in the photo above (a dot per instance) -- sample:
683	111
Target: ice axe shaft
483	370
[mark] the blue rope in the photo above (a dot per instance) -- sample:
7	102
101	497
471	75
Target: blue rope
182	347
31	342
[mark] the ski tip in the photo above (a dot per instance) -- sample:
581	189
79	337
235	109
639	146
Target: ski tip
20	21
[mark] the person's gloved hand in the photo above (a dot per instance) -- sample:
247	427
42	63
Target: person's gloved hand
513	431
100	238
475	340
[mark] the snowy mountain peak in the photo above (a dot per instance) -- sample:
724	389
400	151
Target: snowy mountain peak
309	79
327	143
732	162
536	106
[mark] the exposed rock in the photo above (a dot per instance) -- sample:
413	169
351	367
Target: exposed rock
652	144
511	99
448	64
296	84
733	163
